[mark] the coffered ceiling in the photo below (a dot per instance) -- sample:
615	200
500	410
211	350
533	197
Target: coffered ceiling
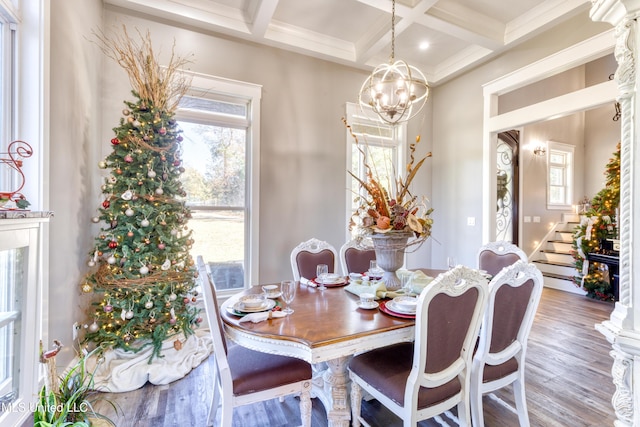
460	33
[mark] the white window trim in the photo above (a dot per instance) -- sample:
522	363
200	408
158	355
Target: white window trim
253	93
353	111
570	150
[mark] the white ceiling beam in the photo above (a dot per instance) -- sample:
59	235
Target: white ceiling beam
561	106
263	17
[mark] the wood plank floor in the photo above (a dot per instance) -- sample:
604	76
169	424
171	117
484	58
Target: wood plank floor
568	382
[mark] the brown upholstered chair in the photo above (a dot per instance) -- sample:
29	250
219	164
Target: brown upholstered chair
514	294
355	256
420	380
243	376
307	255
494	256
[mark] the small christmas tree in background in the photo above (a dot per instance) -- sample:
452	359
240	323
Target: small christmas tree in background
142	276
597	224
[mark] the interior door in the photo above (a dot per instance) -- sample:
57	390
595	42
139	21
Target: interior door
507	186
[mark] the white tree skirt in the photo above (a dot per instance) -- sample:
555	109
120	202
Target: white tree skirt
120	371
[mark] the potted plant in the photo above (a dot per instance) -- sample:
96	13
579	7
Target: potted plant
68	400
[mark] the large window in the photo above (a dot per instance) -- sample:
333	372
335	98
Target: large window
220	156
380	146
560	175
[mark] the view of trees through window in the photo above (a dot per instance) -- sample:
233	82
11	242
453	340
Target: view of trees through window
214	158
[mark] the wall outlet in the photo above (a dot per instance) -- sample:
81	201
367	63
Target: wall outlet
536	219
471	220
527	219
76	328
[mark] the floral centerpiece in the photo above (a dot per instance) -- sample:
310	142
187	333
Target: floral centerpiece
381	211
391	218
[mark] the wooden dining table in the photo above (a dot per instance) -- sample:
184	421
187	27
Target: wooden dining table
326	329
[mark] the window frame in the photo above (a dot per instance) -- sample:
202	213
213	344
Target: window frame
356	113
568	151
221	89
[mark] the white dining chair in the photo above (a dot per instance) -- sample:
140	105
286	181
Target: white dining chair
243	376
307	255
355	256
494	256
499	361
424	378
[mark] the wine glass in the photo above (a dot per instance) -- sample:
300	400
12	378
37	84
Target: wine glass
405	279
321	274
451	262
288	289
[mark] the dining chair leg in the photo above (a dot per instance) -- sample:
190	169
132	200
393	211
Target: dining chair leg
521	402
475	401
464	413
356	403
226	418
305	408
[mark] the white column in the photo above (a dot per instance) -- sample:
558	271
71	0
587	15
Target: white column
622	330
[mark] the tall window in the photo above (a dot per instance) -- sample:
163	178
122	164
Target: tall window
380	146
11	277
560	175
220	156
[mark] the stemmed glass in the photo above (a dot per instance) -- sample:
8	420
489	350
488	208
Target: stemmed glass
321	274
451	262
405	279
288	289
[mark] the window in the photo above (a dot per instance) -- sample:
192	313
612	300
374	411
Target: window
220	153
559	175
380	145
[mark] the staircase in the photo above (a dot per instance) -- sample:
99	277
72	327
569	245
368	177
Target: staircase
553	256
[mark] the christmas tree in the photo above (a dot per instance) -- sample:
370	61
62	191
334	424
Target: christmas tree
597	224
142	276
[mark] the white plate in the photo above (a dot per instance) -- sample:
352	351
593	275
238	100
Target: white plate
406	303
369	306
274	295
267	305
394	307
335	281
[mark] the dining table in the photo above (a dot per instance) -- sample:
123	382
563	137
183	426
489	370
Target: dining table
326	329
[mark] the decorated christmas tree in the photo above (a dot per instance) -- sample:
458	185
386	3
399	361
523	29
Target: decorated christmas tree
599	222
141	274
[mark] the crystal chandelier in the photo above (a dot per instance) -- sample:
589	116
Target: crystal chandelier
396	91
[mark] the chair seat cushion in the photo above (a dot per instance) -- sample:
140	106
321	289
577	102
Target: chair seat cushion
387	370
492	373
254	371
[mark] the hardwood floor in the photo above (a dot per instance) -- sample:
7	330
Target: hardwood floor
568	382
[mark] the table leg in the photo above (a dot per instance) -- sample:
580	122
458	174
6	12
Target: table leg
336	392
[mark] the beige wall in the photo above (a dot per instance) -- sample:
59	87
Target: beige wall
74	136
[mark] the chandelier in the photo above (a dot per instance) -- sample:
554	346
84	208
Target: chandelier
396	91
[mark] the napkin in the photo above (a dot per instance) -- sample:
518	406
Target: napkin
307	282
375	287
419	280
262	316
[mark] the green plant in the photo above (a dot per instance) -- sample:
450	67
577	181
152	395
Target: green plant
69	402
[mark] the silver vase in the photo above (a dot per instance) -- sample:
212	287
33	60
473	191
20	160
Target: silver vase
389	249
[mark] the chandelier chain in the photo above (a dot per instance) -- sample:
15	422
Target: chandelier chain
393	31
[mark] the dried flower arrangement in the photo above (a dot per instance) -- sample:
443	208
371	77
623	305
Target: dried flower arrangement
379	211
